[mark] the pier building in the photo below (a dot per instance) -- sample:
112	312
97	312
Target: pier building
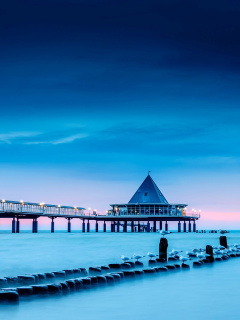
148	200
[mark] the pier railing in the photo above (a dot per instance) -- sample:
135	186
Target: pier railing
21	207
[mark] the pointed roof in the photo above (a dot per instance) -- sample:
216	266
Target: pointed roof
148	192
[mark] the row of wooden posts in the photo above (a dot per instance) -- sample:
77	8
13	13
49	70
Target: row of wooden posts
115	226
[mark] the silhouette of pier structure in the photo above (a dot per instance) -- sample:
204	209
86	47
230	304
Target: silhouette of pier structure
148	210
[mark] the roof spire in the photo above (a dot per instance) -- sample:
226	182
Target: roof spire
148	192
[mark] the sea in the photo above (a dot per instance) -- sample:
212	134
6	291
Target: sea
209	292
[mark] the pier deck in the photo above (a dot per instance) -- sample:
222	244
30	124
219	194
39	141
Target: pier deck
19	210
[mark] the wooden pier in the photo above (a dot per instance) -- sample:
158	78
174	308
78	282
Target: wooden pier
148	210
19	210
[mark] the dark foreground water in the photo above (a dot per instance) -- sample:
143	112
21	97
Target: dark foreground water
211	292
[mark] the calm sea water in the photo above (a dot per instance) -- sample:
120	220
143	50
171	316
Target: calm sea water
212	292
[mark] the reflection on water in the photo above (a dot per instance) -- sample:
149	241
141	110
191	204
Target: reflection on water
211	292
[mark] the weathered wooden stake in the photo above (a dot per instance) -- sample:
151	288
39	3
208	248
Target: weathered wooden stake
209	250
223	241
163	245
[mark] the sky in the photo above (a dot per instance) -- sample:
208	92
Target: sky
94	94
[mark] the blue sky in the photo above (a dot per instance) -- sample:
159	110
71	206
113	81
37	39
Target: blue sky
93	94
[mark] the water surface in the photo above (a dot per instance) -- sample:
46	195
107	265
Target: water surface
212	292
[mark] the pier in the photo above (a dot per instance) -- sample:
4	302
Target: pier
147	211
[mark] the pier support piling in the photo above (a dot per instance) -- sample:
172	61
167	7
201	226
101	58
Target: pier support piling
163	245
148	226
132	226
69	225
179	226
96	226
13	225
52	225
125	226
104	226
194	226
139	226
160	225
18	226
35	225
113	226
166	226
189	226
118	226
88	226
154	226
83	226
184	226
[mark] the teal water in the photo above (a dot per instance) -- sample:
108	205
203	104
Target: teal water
211	292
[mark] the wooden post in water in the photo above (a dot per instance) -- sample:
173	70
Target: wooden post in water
209	250
96	226
163	245
223	241
104	226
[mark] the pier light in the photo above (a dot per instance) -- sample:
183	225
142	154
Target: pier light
59	206
3	200
42	204
89	210
22	202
